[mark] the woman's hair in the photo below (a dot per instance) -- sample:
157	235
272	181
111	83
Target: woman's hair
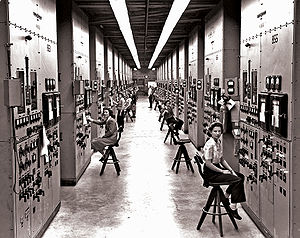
109	110
215	124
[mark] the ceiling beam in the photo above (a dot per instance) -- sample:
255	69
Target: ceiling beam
96	20
146	29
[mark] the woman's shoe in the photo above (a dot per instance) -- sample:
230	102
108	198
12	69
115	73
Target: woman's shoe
235	214
101	159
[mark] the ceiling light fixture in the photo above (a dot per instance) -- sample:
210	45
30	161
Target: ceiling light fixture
121	13
177	9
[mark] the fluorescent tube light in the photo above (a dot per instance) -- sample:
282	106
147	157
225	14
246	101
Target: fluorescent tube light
121	13
177	9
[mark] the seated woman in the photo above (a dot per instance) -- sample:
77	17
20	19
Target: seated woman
111	131
161	108
120	104
128	105
217	170
133	102
173	122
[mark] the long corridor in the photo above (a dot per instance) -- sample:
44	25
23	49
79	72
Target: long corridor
148	199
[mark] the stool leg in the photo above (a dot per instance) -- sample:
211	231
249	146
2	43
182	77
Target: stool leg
175	159
106	155
167	136
207	206
186	162
191	166
219	211
171	137
115	160
227	208
174	163
178	159
187	159
214	211
162	124
184	153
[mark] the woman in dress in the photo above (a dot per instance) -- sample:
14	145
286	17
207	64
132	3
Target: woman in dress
111	131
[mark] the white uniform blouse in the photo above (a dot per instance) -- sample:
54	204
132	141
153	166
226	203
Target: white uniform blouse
212	150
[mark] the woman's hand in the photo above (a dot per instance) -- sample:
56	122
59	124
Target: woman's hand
88	118
233	173
226	171
229	172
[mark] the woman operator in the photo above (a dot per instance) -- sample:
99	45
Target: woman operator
111	131
217	170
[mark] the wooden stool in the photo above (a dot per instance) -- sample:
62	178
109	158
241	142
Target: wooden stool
162	123
217	196
111	153
156	104
105	160
182	155
171	133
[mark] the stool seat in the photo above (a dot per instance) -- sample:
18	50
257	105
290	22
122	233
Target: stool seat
182	141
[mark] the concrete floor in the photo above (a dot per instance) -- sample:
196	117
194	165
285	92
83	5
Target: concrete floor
148	199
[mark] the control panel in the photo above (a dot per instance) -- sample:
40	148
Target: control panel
30	134
250	164
78	90
181	101
266	102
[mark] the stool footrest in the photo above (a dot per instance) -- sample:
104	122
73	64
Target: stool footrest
115	162
214	213
183	141
182	160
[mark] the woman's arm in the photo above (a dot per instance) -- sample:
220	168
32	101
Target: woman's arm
98	122
114	102
211	166
227	166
